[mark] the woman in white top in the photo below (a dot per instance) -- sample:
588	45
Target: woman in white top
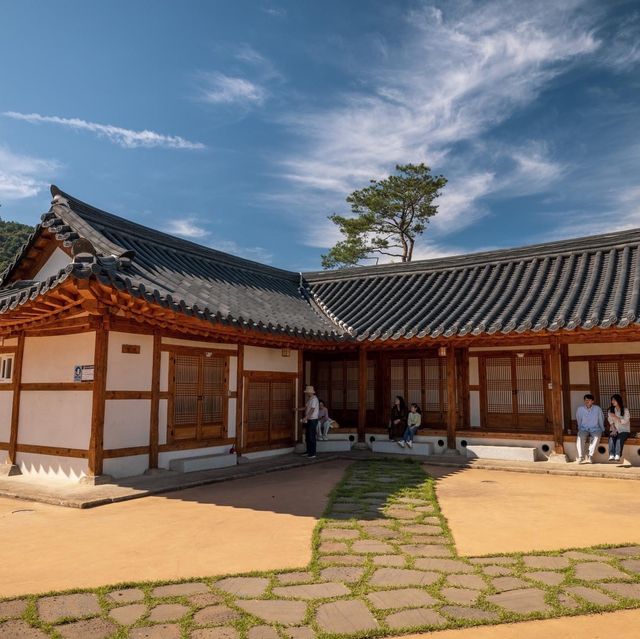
620	427
323	422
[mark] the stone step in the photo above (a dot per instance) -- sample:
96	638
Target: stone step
509	453
419	449
330	446
203	462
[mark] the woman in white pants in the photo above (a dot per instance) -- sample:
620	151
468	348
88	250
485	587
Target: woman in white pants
323	422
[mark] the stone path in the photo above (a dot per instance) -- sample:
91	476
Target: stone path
384	563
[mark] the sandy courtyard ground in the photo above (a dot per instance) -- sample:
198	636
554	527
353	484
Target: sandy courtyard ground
259	523
492	512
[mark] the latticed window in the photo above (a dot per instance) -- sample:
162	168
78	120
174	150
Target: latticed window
337	383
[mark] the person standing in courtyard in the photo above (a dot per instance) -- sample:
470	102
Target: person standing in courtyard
310	420
619	420
414	421
590	422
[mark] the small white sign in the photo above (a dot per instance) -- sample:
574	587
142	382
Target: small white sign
83	373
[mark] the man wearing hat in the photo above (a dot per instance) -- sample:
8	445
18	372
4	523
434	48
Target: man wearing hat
310	420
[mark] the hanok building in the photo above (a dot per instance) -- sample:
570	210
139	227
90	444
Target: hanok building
125	349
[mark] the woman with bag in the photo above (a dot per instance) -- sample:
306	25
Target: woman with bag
619	420
398	421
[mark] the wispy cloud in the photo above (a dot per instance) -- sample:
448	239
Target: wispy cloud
218	88
126	138
255	253
22	176
186	227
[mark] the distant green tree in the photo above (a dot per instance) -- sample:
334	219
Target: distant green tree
12	236
388	216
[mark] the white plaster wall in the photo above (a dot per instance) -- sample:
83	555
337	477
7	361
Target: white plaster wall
128	371
126	423
257	358
579	373
474	409
52	467
529	347
164	372
162	421
474	371
126	466
197	344
6	404
9	341
612	348
52	359
52	418
165	458
56	262
233	373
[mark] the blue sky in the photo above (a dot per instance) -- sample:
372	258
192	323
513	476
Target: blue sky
242	125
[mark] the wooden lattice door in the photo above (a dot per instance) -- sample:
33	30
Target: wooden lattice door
513	392
269	411
618	376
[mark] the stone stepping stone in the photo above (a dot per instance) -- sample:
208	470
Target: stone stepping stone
13	608
215	615
331	547
502	584
460	595
128	615
339	533
427	509
243	586
402	577
95	628
299	577
128	595
590	595
582	556
345	617
340	516
168	612
286	613
403	598
389	560
444	565
474	582
625	551
375	523
401	513
262	632
369	546
300	632
383	495
348	574
426	550
422	529
180	590
565	600
215	633
50	609
546	563
20	630
521	601
205	599
381	532
161	631
628	591
474	614
312	591
592	571
547	577
416	617
409	500
343	560
424	540
346	507
632	565
497	561
498	571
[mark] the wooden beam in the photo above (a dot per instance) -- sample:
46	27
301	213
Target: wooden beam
452	400
15	406
239	402
567	387
555	394
96	440
155	402
362	393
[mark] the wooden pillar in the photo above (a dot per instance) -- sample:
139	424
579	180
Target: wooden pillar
566	386
155	402
15	408
239	398
452	398
300	400
555	395
362	393
96	441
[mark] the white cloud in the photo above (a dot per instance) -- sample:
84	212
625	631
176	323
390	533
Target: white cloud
255	253
186	227
22	176
219	88
126	138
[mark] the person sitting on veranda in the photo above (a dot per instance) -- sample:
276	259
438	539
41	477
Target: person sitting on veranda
324	422
619	420
414	421
398	421
590	422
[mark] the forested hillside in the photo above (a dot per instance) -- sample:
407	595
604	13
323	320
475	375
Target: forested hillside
12	237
